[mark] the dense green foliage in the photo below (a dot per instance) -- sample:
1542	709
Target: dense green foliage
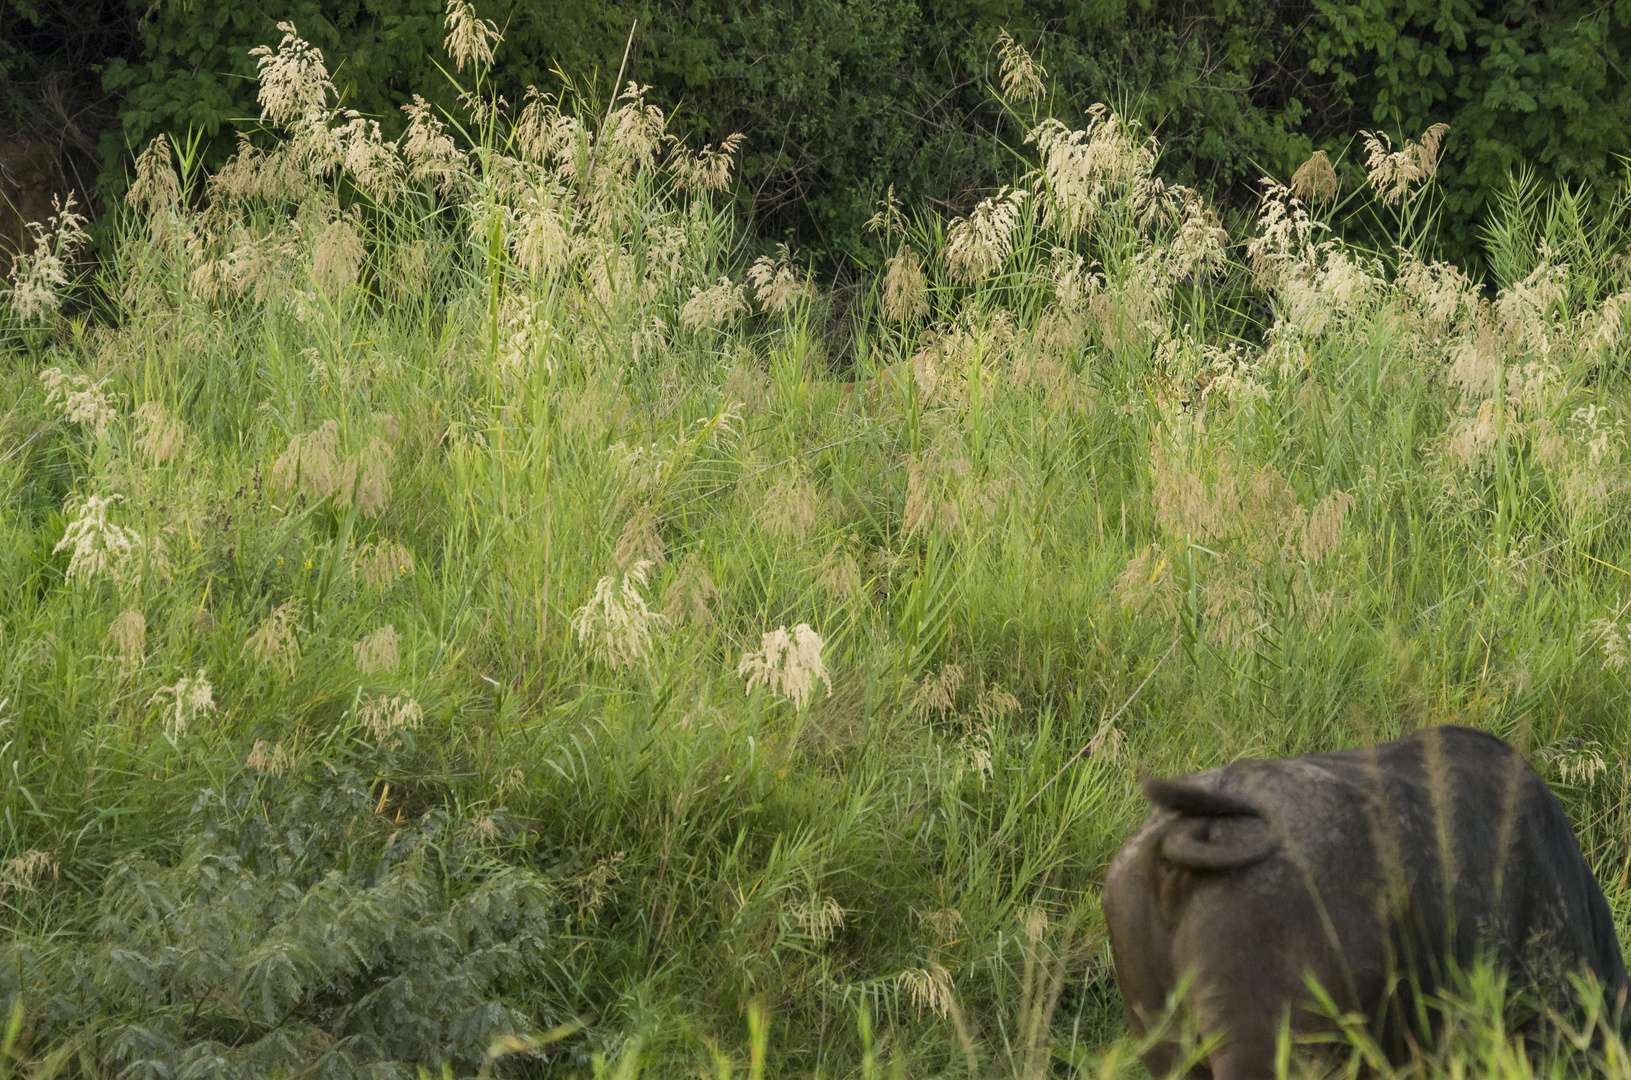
841	98
452	616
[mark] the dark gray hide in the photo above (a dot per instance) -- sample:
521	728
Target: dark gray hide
1364	868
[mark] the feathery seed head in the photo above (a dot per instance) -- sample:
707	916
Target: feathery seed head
1146	585
469	40
128	634
905	292
929	988
789	508
715	306
978	244
383	717
788	663
1022	77
189	699
1198	249
840	576
707	170
1315	180
1394	172
377	651
1324	528
272	760
383	563
311	462
79	400
430	151
937	694
294	81
887	220
274	642
688	597
639	542
819	916
38	277
361	150
159	436
337	256
544	133
615	622
1285	233
24	874
1088	169
542	236
372	470
776	284
157	187
101	548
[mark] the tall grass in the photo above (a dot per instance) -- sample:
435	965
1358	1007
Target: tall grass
452	592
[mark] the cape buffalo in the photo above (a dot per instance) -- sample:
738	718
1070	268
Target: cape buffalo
1377	872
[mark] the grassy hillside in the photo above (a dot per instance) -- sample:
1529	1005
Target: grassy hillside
461	611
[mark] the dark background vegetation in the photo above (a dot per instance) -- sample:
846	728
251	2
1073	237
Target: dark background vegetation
841	98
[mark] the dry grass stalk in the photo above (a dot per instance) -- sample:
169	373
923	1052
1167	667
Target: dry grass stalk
788	663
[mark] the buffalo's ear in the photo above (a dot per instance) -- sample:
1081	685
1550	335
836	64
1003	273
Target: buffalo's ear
1219	843
1195	801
